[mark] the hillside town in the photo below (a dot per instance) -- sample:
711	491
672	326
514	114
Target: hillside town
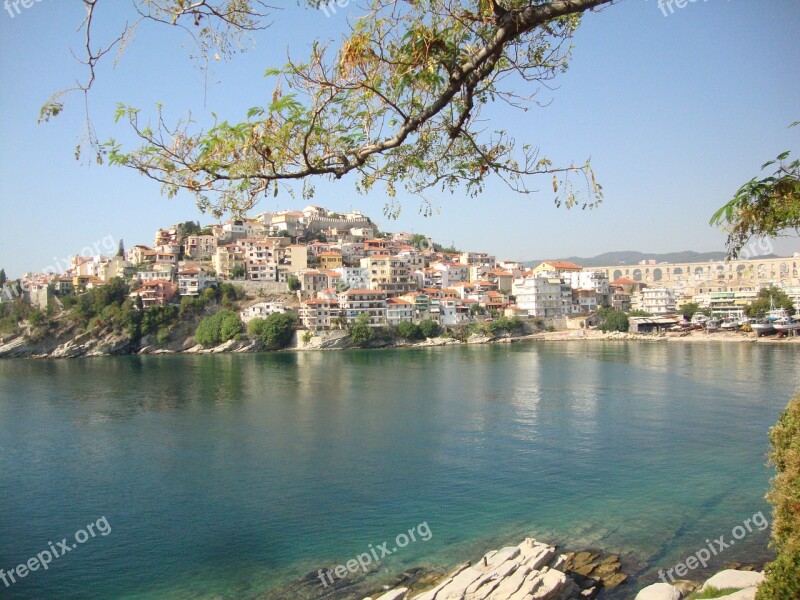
332	269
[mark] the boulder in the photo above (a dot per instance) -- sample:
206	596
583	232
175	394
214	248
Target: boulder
733	579
659	591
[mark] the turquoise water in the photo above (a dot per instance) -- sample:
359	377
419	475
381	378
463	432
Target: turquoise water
227	476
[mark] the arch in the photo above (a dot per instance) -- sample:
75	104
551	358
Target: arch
637	274
677	273
740	271
658	275
617	275
699	272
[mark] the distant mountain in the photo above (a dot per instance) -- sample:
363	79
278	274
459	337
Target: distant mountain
633	258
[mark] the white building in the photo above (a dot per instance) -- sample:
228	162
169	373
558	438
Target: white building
596	281
658	301
355	278
399	311
540	296
261	310
192	282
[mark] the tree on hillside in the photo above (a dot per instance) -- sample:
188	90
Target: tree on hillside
765	207
767	298
121	249
398	103
3	277
293	283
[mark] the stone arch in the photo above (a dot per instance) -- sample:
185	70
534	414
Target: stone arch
658	274
617	275
677	273
637	274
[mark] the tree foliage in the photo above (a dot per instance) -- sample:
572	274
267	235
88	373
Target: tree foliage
767	298
783	574
398	102
293	283
360	332
218	328
689	310
274	331
430	328
614	320
763	207
410	331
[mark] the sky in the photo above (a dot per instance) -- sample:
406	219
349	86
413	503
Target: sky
675	112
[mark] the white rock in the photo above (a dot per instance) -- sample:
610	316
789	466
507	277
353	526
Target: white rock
552	583
733	579
659	591
457	587
745	594
510	584
483	587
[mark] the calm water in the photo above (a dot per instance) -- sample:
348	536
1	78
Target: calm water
226	476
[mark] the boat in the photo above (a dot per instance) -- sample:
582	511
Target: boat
730	325
762	327
713	324
785	324
699	321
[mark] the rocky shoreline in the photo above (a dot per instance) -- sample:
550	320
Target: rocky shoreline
536	571
87	346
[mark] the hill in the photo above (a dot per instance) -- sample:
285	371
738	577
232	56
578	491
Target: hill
631	257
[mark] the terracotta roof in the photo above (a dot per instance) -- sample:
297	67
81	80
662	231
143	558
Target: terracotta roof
561	264
624	281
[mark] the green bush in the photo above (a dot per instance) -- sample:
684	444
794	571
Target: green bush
503	325
293	283
218	328
430	328
615	321
410	332
274	331
783	574
360	331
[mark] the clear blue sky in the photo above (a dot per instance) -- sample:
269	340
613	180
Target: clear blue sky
676	112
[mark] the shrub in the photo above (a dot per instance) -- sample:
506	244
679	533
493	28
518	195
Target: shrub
410	332
430	328
218	328
783	574
615	321
275	331
360	331
293	283
307	336
230	327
